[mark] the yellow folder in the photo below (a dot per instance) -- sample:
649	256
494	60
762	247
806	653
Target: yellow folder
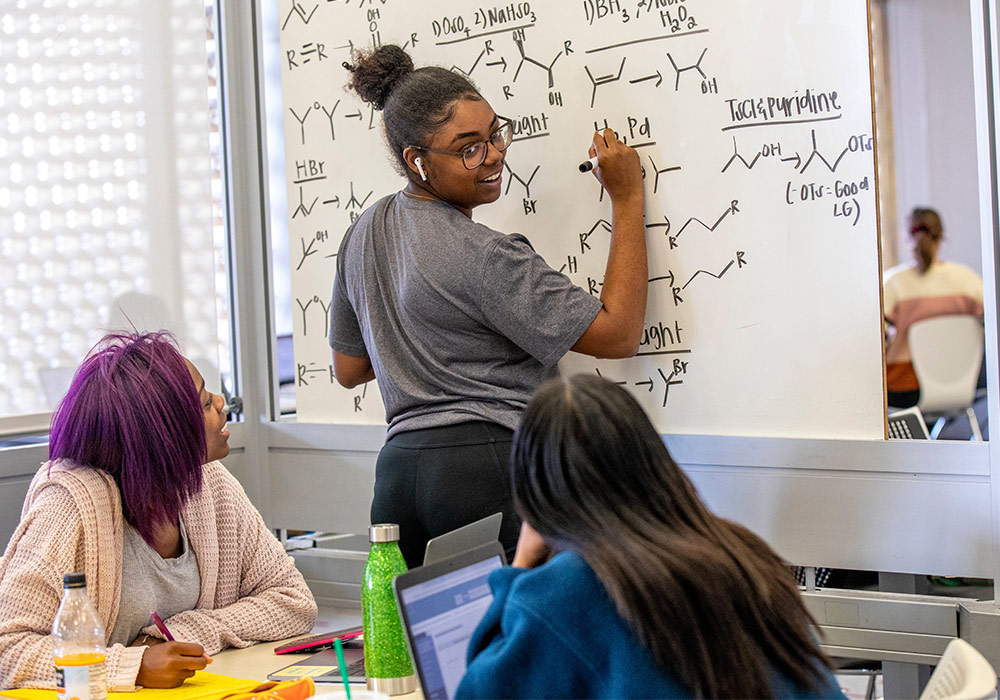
200	686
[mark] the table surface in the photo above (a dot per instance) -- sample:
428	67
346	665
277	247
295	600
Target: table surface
256	662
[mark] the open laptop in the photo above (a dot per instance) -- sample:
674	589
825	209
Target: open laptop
324	668
461	539
441	604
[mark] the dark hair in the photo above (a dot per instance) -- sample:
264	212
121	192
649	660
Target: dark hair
133	411
713	604
927	232
414	103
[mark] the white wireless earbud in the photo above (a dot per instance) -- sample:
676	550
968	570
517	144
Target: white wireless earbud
420	168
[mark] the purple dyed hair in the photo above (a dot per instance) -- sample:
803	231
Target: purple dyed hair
133	411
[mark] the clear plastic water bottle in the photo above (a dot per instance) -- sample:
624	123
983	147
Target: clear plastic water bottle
78	644
387	660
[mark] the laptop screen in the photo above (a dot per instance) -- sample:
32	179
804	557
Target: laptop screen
441	614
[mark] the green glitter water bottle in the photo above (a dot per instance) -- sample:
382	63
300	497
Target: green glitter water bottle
387	660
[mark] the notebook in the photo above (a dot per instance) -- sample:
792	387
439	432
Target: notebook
441	604
461	539
323	667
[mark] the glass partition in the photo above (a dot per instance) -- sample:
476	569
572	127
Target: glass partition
111	193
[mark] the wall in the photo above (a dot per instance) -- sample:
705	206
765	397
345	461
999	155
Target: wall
934	121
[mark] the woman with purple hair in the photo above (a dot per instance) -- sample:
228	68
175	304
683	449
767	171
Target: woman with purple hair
133	497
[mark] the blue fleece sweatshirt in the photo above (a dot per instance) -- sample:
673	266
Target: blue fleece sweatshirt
553	632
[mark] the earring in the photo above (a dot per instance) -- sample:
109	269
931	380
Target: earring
420	168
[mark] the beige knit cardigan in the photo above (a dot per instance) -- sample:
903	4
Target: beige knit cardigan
72	521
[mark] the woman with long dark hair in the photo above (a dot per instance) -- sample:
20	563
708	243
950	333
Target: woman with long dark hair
458	322
650	595
134	498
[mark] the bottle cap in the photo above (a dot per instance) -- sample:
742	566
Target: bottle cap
384	532
74	581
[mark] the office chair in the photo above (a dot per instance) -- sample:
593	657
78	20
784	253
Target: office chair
962	674
947	352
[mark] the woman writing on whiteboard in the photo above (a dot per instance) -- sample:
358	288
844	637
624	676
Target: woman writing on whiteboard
460	323
651	595
923	289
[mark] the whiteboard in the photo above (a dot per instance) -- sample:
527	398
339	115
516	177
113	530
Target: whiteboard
753	121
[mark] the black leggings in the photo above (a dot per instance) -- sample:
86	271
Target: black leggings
434	480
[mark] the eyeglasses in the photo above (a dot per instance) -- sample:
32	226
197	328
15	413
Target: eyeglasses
474	154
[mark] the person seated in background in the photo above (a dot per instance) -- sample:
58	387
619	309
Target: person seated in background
649	594
919	290
134	497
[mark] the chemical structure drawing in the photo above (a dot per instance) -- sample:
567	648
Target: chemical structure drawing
767	150
710	274
306	53
694	66
658	172
307	372
467	73
601	224
306	252
310	249
302	208
650	383
604	79
737	157
302	120
524	183
305	315
299	10
816	154
739	261
668	382
732	209
354	203
519	42
329	117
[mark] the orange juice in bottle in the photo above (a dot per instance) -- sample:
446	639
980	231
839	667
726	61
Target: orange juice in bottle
78	644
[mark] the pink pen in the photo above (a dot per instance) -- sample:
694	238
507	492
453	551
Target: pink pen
162	627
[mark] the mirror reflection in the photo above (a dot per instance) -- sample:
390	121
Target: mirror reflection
928	191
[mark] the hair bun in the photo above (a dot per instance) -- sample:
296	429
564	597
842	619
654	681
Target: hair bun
375	74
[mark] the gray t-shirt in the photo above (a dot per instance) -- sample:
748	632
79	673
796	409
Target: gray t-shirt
460	322
150	582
